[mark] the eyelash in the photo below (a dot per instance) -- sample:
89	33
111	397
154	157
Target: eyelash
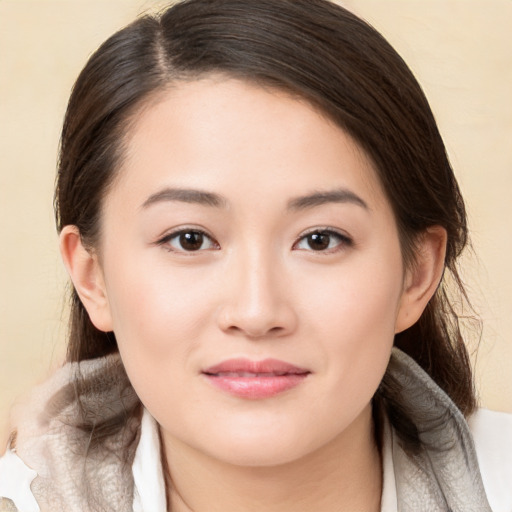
343	240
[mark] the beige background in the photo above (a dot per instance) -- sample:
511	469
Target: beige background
461	52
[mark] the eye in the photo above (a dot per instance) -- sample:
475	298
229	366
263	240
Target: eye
188	240
323	240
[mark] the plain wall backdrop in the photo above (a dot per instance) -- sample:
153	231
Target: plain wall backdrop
460	51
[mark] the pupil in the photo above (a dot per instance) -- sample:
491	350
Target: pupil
318	241
191	241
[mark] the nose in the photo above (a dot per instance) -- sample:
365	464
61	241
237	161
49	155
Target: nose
257	304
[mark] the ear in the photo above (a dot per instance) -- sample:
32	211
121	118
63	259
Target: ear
423	277
85	272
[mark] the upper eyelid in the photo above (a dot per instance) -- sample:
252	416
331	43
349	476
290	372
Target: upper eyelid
326	229
184	229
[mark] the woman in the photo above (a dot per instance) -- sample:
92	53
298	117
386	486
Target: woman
257	213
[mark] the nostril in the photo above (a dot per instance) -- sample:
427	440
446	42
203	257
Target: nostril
256	332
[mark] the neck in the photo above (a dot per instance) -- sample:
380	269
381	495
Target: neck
344	475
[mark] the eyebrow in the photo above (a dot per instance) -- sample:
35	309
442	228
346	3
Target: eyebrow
320	198
186	195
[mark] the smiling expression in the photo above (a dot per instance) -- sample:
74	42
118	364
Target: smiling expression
252	271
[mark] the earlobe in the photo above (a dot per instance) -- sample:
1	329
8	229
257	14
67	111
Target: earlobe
85	272
423	278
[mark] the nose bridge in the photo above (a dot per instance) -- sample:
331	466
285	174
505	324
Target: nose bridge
256	304
259	286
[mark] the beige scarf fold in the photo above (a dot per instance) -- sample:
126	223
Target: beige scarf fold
54	438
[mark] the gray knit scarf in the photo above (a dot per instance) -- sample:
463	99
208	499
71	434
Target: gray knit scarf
75	475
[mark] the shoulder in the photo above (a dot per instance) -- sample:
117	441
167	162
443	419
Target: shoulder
492	434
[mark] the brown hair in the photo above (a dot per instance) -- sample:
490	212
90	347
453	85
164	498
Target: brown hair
311	48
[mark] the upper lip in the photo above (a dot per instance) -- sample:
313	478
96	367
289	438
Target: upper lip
247	366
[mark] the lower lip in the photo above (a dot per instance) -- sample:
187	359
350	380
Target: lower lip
256	387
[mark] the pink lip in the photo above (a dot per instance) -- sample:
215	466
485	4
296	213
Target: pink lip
255	379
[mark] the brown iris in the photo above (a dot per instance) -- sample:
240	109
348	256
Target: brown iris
191	240
319	241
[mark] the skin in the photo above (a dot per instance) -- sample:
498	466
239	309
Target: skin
257	289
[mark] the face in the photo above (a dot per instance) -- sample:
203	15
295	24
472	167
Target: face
253	272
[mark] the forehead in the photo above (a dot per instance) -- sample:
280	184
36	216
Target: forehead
225	133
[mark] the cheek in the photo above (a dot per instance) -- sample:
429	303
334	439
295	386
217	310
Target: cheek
357	303
159	317
154	306
157	327
354	322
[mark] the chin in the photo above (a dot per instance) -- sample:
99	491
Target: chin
263	448
258	456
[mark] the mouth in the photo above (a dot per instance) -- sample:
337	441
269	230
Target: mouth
244	378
